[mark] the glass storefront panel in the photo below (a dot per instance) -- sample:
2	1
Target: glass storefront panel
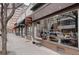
63	29
60	28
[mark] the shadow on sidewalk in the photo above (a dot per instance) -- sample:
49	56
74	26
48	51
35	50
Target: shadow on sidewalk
9	53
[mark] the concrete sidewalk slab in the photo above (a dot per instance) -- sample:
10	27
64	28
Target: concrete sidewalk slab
21	46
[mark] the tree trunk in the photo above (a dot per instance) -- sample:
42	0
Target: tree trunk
4	39
4	31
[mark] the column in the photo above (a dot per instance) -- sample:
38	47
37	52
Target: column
21	31
78	28
48	30
25	30
18	30
33	32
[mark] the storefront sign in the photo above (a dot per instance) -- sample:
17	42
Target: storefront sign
28	21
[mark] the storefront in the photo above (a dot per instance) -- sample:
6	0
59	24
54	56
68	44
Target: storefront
28	27
19	28
59	30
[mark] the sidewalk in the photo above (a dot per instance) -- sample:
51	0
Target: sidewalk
20	46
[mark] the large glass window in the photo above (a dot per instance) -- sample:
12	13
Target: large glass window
63	28
60	28
68	22
44	29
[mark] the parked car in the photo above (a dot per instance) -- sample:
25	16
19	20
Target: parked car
43	35
55	36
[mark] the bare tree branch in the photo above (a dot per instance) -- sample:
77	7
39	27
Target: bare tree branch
12	13
7	4
70	16
5	11
2	13
18	5
15	6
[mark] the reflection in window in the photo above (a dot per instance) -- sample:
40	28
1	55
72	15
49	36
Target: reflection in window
58	28
61	34
68	22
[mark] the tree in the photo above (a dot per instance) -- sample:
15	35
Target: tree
4	20
73	15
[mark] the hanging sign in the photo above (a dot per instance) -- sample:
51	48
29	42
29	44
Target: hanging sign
28	21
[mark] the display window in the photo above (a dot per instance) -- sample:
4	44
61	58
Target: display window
63	28
60	28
